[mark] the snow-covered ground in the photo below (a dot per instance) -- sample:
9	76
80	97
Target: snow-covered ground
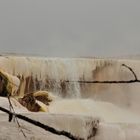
112	108
78	117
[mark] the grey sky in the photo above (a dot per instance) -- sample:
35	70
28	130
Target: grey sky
69	28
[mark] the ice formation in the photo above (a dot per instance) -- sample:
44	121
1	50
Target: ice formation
115	105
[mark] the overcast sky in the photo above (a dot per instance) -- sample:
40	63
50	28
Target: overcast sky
70	28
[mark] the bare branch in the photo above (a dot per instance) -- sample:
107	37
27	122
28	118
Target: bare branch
107	82
131	71
11	116
112	82
43	126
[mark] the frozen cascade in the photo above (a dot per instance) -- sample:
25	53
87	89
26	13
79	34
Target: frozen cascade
115	105
50	73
